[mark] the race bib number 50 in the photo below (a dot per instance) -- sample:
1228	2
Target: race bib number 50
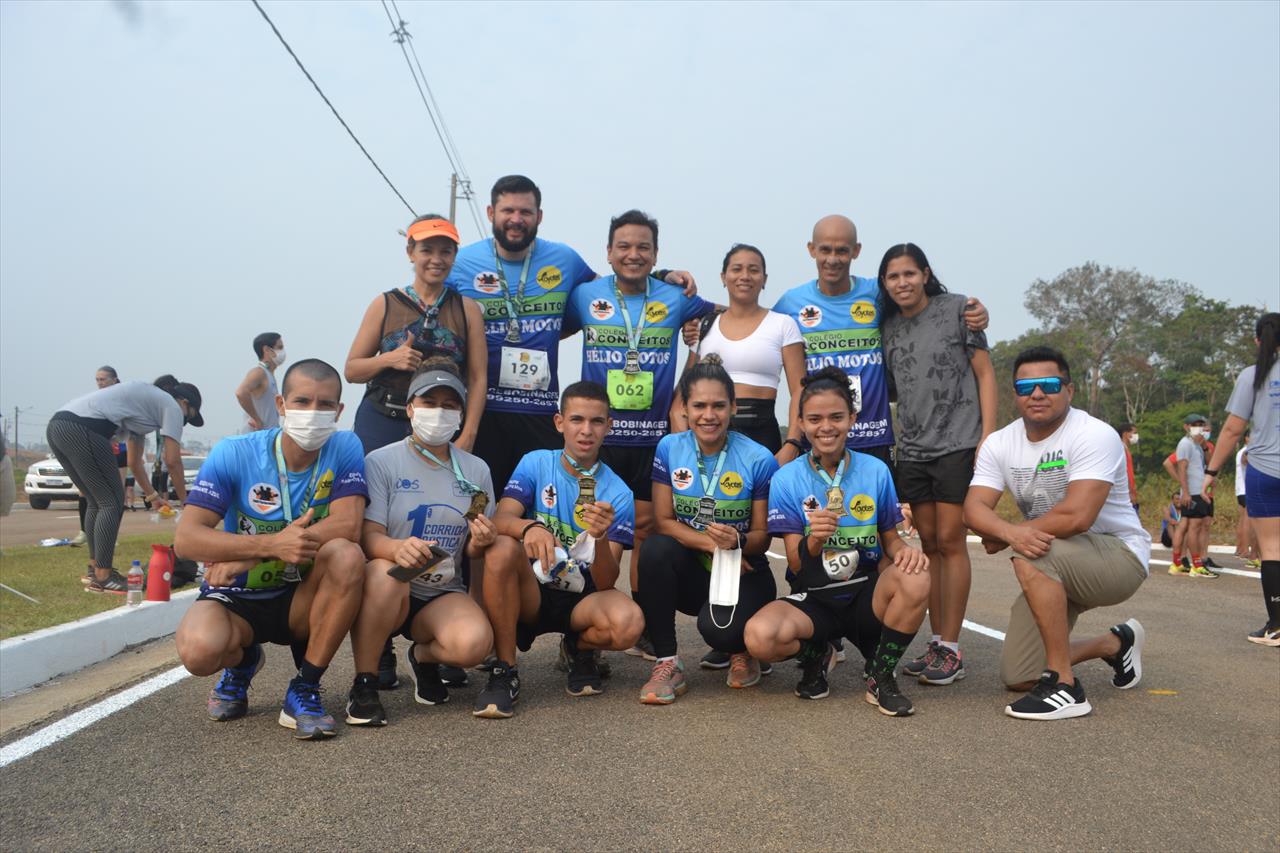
840	565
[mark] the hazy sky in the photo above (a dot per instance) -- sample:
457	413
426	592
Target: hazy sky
170	184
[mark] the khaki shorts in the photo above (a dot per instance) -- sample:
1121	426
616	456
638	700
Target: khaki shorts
1096	570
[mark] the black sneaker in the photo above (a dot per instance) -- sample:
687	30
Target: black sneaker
497	700
883	692
487	664
715	660
1050	699
1209	563
453	676
1128	661
364	708
115	584
816	661
584	674
602	664
428	687
387	678
643	648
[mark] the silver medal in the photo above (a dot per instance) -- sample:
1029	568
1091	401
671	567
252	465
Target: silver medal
513	330
291	573
706	512
632	365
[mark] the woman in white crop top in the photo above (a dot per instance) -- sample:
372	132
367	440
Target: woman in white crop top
755	345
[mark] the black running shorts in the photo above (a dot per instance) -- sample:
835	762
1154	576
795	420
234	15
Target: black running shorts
267	617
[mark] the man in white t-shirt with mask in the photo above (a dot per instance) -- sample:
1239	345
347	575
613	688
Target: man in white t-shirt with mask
1080	545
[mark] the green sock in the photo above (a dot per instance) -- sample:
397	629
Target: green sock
893	645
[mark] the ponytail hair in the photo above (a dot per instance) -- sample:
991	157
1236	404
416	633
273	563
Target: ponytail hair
932	286
1268	330
828	379
710	366
167	383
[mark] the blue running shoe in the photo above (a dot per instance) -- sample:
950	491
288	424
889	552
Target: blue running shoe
229	698
304	712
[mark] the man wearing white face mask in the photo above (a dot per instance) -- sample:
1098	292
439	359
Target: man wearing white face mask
257	392
429	502
284	568
1197	508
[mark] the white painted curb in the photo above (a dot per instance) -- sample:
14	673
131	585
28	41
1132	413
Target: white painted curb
34	658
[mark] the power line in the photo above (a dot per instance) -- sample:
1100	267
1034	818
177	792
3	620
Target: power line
400	31
334	109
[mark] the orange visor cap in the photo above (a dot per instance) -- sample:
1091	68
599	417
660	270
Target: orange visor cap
428	228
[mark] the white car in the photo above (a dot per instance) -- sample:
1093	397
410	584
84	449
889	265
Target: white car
46	481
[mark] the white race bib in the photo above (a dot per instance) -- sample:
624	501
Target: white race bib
439	575
840	565
526	369
567	573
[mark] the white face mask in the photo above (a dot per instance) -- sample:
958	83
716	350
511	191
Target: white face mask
1133	438
726	575
277	357
1206	433
1195	430
435	426
309	428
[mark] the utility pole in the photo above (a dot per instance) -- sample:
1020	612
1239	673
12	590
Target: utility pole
15	432
453	198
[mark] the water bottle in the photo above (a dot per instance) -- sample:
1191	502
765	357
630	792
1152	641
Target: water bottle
135	584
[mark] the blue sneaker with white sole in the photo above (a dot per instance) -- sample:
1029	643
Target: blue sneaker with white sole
304	712
229	698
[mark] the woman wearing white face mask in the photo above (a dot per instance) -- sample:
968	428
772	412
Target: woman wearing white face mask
429	503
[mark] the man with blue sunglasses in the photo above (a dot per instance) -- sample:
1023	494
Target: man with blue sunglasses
1079	546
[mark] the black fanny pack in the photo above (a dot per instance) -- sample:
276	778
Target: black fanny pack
387	402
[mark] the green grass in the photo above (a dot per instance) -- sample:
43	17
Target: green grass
52	577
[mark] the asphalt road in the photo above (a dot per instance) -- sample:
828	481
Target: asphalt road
27	526
1189	760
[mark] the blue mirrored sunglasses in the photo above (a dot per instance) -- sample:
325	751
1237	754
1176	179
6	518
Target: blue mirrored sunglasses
1047	384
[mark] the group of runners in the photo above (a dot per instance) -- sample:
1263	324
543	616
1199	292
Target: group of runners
478	505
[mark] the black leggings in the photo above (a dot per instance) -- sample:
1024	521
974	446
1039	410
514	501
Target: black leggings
672	578
89	459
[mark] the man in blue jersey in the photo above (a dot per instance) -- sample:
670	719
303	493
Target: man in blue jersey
631	322
522	285
275	515
839	318
564	520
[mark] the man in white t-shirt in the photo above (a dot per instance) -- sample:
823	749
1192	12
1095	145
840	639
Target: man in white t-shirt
1080	546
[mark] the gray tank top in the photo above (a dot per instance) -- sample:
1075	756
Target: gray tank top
264	405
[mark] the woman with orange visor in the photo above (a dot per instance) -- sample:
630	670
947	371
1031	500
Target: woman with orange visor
405	325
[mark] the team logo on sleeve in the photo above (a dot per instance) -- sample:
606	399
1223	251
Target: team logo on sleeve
264	497
681	478
549	278
863	312
731	483
655	312
548	496
862	507
809	316
487	282
601	309
810	505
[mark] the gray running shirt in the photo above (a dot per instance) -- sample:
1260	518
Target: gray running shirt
136	407
264	405
412	497
1263	411
927	357
1194	454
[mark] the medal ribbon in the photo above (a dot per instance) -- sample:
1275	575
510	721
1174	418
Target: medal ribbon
513	306
633	337
582	472
832	482
467	486
286	503
709	485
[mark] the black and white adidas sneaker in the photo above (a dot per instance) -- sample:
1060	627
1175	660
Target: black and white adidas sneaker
1128	661
1051	700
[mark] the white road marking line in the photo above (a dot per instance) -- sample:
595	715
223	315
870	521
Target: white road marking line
65	517
776	556
1160	562
978	629
86	717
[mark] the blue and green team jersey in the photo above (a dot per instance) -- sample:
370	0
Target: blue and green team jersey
871	506
240	482
744	478
549	493
554	271
845	331
594	308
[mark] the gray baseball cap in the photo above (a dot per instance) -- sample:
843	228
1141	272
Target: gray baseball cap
428	379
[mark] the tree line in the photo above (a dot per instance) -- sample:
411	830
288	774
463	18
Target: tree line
1142	350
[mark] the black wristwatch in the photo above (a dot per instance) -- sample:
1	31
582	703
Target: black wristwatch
661	275
742	540
1212	472
796	444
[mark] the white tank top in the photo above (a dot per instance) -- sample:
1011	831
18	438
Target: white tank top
757	358
264	405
